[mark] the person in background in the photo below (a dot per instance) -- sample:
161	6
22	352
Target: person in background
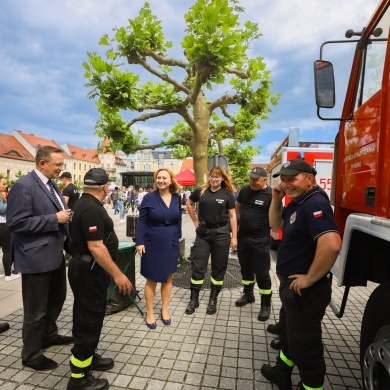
5	234
252	205
140	196
122	198
70	191
158	235
37	216
216	233
307	251
95	247
114	199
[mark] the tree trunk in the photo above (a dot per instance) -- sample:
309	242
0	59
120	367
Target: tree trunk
201	139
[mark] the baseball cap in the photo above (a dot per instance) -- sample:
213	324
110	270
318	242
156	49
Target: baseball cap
293	167
66	174
257	172
96	177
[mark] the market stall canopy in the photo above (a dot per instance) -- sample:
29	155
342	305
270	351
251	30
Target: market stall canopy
186	178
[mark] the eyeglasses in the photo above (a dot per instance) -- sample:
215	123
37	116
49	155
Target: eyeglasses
215	177
59	165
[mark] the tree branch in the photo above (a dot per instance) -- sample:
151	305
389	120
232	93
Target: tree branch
145	117
223	101
242	74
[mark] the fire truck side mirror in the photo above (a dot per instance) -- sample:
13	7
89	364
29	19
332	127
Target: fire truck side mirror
324	84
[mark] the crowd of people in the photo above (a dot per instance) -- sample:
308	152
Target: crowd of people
44	229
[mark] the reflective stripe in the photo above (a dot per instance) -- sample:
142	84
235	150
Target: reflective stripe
77	376
193	281
287	361
248	282
265	292
81	363
216	282
312	388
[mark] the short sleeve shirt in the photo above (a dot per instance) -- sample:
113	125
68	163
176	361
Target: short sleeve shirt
255	205
72	192
304	220
213	204
89	221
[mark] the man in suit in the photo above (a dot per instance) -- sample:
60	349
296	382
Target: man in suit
37	215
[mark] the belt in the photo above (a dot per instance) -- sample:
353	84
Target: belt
87	258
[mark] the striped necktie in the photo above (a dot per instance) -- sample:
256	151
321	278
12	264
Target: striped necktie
53	193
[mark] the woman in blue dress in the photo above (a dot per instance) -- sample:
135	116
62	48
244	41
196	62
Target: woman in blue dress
158	234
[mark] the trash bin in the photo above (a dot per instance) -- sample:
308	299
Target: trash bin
126	262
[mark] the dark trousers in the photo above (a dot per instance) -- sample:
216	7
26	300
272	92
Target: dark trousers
214	242
5	243
301	334
254	257
43	297
90	291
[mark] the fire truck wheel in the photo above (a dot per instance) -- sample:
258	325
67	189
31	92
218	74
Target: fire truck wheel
374	353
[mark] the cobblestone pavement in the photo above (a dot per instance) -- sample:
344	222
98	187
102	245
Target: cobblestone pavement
222	351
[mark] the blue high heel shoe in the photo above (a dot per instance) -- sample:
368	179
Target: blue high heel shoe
153	325
165	322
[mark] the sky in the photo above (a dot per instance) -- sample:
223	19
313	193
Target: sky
43	44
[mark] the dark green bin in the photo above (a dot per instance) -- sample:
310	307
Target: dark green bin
126	262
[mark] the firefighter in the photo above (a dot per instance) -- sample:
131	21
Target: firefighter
307	252
95	246
253	204
216	233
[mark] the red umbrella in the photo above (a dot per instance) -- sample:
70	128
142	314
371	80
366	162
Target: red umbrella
186	178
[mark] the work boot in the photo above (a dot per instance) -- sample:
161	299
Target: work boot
212	306
274	328
300	386
194	301
100	363
265	307
280	375
276	344
247	296
84	380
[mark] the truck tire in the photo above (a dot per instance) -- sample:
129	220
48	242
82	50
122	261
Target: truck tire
374	351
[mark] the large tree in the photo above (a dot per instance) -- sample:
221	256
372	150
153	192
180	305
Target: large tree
215	49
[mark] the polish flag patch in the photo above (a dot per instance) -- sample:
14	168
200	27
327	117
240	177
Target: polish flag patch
317	214
93	229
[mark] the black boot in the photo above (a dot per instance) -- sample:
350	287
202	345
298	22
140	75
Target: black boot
194	301
247	296
265	307
274	328
280	374
212	306
85	382
276	344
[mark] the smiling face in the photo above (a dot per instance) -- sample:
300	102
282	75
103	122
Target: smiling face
258	183
295	186
163	180
52	166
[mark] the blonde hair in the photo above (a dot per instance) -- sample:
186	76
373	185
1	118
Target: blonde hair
226	183
174	186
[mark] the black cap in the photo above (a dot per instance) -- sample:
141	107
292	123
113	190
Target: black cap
295	166
96	177
66	174
258	172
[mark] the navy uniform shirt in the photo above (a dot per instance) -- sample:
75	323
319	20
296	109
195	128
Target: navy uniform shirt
89	221
304	220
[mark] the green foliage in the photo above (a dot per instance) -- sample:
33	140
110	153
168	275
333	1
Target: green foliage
216	49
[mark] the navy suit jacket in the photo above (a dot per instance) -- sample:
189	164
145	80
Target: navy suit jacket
37	239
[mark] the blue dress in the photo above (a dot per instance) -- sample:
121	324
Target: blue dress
159	230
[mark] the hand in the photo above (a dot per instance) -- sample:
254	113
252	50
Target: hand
299	283
278	192
196	223
63	216
233	243
140	250
123	283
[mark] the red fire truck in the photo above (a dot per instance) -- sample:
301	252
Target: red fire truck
361	183
317	154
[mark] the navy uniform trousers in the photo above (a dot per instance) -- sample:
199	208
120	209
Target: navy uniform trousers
90	294
301	335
